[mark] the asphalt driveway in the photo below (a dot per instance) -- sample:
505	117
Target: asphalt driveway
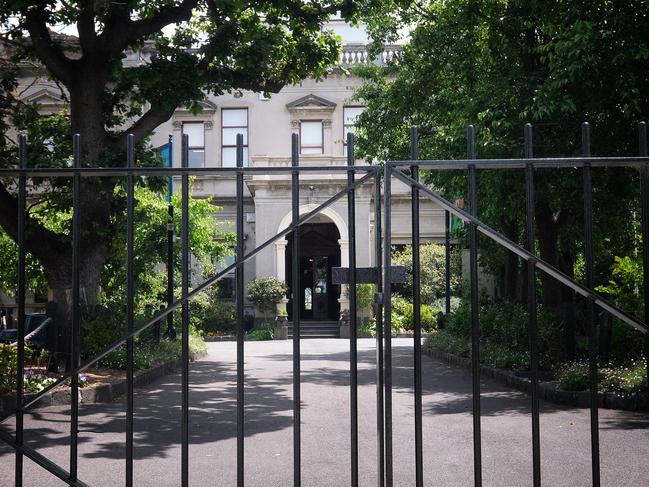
506	427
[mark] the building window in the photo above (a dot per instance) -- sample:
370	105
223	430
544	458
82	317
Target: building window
196	133
233	121
350	114
311	136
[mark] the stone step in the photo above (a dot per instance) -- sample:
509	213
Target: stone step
316	329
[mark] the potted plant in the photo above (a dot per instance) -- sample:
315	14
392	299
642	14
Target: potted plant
266	292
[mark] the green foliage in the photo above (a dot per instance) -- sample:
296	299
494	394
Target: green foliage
498	65
209	243
265	292
367	329
503	333
100	326
626	286
8	364
445	341
432	270
264	332
148	354
403	314
624	379
574	376
207	48
219	316
364	299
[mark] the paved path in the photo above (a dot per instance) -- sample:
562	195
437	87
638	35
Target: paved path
447	420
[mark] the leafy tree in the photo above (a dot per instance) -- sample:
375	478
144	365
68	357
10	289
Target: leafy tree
208	244
432	271
216	47
498	64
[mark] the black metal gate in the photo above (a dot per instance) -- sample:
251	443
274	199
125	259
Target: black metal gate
384	275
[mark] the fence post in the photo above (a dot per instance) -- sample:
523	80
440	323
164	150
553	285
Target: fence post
475	311
531	307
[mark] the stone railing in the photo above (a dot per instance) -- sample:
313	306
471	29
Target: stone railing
305	160
356	54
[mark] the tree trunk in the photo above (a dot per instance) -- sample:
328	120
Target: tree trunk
548	242
59	277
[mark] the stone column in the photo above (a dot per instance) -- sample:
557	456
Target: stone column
280	269
344	262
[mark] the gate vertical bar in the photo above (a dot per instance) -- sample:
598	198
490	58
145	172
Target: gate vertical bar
240	328
644	203
387	320
296	291
416	307
353	355
531	308
447	262
185	314
20	366
380	410
475	311
76	329
590	306
171	333
130	300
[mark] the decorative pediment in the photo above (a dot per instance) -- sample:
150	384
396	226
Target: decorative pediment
311	102
206	106
44	97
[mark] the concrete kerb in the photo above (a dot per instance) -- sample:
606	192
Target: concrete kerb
102	393
548	391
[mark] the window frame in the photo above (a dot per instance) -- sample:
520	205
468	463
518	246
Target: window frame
195	147
247	138
346	125
321	147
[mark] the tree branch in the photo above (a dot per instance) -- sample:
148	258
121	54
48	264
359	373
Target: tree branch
47	51
145	125
121	33
86	26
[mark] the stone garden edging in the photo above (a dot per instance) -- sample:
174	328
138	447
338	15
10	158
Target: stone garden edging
548	391
101	393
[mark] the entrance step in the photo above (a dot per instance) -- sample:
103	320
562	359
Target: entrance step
316	329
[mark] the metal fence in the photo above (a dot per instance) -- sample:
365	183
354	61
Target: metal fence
356	177
405	171
534	264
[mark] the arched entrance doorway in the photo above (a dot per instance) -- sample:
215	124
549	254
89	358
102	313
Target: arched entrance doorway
319	252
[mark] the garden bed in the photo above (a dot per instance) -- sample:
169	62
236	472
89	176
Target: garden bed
103	385
549	390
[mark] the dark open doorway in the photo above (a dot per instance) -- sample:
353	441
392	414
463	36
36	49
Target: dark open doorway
319	252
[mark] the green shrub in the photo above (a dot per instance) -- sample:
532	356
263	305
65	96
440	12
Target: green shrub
219	316
265	292
264	332
432	270
148	354
459	321
100	327
504	334
444	341
503	357
403	314
625	379
8	364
